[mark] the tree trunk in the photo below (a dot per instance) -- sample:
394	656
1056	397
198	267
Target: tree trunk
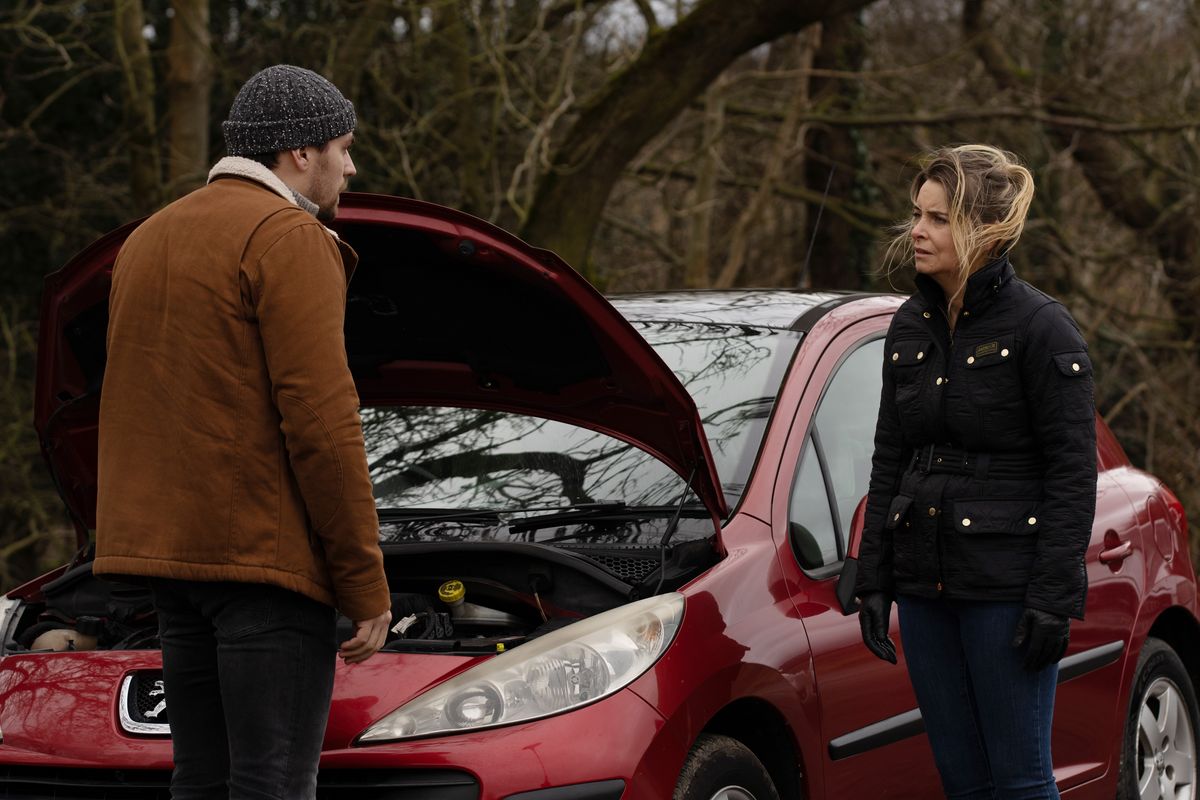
189	91
673	68
467	130
833	162
133	54
703	195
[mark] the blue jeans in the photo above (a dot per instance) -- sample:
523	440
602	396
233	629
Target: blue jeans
988	718
248	675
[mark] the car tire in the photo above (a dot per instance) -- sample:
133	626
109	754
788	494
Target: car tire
721	768
1158	752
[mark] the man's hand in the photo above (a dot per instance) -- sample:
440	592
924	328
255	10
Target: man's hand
874	615
369	636
1047	635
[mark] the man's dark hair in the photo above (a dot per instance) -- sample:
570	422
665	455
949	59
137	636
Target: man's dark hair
268	160
271	160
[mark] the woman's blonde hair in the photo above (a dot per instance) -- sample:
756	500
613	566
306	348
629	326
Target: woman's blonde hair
988	191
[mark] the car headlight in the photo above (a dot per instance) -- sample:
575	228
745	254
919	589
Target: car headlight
563	670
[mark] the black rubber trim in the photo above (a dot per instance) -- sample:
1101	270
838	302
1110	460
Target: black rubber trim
893	729
600	790
1089	660
805	322
69	783
877	734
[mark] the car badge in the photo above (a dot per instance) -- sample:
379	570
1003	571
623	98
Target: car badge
143	704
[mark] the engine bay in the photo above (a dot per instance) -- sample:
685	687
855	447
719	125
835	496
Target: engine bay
453	598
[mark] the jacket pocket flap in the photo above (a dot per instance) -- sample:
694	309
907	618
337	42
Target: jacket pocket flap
897	511
1073	364
1000	350
910	352
990	515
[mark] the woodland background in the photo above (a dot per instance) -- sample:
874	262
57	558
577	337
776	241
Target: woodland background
653	144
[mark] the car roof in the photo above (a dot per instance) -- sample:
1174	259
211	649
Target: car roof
784	309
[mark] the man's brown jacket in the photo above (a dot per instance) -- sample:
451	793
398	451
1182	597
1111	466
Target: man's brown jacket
230	442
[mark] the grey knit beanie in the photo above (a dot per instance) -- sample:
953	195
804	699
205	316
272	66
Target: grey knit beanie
284	107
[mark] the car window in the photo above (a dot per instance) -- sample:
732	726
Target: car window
846	426
836	459
810	519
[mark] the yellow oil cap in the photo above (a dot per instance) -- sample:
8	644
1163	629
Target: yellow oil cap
452	592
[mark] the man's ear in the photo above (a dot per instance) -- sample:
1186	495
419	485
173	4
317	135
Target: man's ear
301	158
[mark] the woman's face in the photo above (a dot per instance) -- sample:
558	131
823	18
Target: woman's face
932	242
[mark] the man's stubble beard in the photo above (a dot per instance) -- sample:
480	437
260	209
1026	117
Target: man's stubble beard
327	211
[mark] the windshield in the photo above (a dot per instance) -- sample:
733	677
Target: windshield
470	459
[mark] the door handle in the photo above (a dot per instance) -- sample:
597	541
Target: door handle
1116	554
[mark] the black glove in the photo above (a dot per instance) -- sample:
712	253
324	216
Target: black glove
874	614
1047	636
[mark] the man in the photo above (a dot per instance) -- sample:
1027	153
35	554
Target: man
232	469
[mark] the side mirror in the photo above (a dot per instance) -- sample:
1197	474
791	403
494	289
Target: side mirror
846	581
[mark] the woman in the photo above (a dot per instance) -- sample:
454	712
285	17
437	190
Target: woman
983	481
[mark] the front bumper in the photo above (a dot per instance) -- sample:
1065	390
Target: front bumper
614	749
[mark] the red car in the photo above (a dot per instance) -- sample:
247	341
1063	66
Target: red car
649	504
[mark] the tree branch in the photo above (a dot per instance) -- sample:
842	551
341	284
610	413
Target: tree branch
886	119
670	72
860	217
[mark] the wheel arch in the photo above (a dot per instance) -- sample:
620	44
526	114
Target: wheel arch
1179	629
760	726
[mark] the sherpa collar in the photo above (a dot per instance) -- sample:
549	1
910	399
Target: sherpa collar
248	168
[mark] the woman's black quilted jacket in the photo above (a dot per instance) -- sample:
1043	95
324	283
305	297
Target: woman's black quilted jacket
983	481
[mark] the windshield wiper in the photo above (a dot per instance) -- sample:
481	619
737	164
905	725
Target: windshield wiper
602	512
480	515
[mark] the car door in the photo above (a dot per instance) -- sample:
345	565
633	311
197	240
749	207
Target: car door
1089	709
870	725
868	713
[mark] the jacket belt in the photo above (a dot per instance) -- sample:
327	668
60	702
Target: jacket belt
956	461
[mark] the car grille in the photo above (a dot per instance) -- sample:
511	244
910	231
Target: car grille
42	783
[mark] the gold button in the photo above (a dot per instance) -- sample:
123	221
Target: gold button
932	511
970	359
966	522
966	313
1075	367
939	381
1004	352
896	518
1032	520
925	315
920	355
895	356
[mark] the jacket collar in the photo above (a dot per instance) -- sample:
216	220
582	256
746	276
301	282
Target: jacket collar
248	168
982	286
251	170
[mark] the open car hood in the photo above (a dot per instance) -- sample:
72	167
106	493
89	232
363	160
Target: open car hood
444	310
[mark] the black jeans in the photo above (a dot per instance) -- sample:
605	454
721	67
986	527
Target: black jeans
248	674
